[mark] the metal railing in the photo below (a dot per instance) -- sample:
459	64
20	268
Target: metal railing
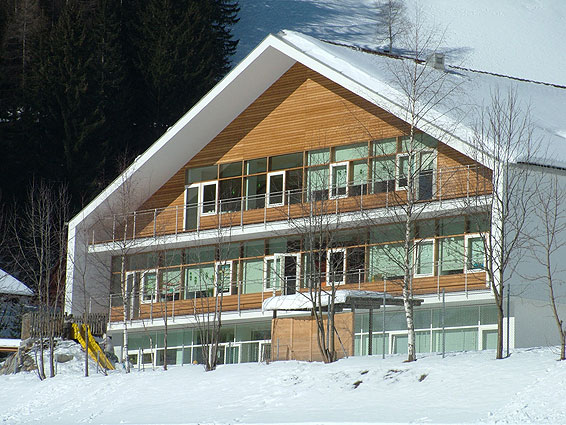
282	285
438	185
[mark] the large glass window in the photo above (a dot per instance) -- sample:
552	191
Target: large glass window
318	157
383	174
385	261
199	281
384	147
230	195
452	255
317	183
252	276
255	191
281	162
199	174
424	257
170	284
350	152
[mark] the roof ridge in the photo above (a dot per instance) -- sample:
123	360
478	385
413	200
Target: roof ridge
461	68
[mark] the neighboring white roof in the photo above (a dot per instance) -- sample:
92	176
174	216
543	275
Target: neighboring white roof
9	343
302	301
12	286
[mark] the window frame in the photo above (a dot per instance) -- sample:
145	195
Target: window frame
467	237
218	264
329	266
419	243
155	295
271	174
331	187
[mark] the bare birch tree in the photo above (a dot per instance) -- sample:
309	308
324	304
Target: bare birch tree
548	244
503	137
39	238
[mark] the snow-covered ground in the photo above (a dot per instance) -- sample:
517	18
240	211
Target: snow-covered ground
522	38
528	387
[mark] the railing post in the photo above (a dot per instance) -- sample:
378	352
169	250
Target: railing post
176	219
440	186
288	205
219	214
134	226
173	312
468	183
265	211
242	212
154	222
438	278
113	227
239	286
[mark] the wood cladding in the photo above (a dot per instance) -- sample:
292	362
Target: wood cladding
295	338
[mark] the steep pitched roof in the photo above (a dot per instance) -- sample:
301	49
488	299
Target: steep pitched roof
12	286
365	74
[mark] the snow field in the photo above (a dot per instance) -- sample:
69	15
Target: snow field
529	387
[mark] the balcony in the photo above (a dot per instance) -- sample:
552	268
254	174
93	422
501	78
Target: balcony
439	185
179	302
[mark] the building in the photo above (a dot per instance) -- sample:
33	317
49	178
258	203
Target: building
224	192
14	297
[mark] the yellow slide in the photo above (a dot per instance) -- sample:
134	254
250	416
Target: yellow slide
94	349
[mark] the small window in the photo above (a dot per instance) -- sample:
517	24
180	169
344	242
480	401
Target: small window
256	187
149	287
402	171
233	169
384	147
318	157
199	174
451	255
254	166
336	266
350	152
282	162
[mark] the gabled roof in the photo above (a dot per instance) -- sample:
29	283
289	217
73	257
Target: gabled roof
365	74
12	286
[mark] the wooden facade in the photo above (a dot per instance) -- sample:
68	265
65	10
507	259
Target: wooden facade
301	111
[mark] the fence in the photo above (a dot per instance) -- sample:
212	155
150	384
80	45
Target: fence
40	323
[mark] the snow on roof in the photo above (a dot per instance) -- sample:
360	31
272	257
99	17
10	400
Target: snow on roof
302	301
376	73
9	342
12	286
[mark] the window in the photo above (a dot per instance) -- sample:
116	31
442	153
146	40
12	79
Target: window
385	261
230	194
426	175
358	178
281	162
424	258
317	183
199	281
355	265
224	278
475	253
318	157
339	180
402	171
255	191
149	286
170	284
336	260
383	174
209	193
451	255
199	174
275	187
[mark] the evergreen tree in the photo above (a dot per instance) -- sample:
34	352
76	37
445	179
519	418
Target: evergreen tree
64	99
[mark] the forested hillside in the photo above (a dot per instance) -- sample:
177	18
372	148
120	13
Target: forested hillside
86	85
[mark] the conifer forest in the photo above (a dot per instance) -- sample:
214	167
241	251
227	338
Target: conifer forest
87	85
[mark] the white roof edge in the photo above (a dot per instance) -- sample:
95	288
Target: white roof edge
267	42
285	47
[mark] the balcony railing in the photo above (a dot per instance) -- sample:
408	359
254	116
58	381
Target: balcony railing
439	185
182	301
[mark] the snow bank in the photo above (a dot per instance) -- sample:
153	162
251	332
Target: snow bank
301	301
528	387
